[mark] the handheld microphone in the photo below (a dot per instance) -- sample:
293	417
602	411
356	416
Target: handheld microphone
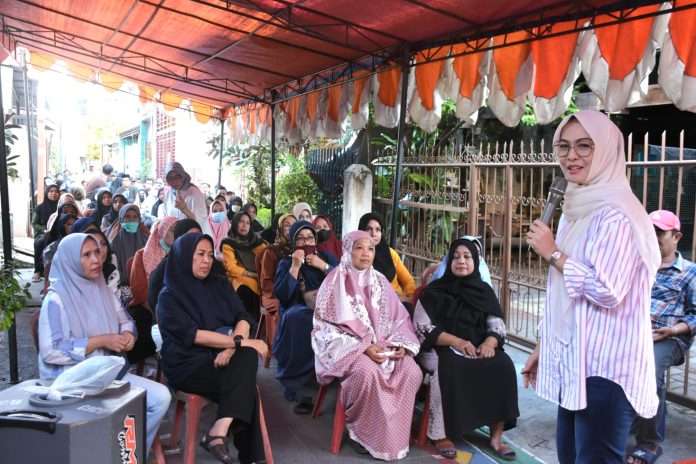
556	193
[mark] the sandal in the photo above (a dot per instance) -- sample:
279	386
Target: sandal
506	453
219	451
646	456
445	448
36	277
304	405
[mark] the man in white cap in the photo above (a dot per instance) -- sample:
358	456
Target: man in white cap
673	314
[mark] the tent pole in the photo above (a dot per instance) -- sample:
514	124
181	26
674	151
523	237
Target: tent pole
27	103
274	95
7	239
222	138
401	144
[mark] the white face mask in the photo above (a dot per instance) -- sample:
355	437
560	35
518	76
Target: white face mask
236	208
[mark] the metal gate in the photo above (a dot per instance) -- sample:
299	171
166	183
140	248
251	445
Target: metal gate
495	192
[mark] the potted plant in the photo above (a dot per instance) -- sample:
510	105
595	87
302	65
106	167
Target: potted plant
13	296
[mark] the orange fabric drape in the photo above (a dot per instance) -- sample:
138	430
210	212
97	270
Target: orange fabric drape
265	116
552	58
466	67
292	107
170	101
201	111
334	102
82	73
623	45
252	119
313	104
111	82
232	120
146	93
428	75
41	62
388	92
358	88
683	33
509	60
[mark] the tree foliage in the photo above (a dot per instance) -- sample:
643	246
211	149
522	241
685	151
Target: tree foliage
10	139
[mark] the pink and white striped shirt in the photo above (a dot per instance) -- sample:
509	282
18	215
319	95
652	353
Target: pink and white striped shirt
612	337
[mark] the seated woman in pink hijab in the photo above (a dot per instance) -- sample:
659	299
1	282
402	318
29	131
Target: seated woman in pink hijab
363	337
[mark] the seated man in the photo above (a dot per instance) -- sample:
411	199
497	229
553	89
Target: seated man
673	314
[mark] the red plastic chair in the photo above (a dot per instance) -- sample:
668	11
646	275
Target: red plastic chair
422	439
339	423
194	405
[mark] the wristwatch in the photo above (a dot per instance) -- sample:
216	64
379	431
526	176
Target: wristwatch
555	256
238	341
326	267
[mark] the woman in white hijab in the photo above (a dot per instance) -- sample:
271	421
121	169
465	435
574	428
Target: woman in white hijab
595	357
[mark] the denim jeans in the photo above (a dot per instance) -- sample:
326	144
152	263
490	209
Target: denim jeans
651	432
598	433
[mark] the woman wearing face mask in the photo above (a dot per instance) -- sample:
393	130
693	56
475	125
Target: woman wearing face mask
235	206
108	220
219	225
280	249
127	236
297	282
39	220
326	238
239	250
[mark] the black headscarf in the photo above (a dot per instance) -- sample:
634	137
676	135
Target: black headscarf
460	305
184	225
210	302
113	214
243	244
100	210
270	234
383	261
48	207
57	230
155	206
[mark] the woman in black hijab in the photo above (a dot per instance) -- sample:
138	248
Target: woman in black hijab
193	309
239	252
39	221
459	317
117	202
103	206
387	260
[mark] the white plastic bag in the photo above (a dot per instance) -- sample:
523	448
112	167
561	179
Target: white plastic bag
90	377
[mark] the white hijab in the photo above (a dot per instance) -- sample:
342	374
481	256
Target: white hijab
606	185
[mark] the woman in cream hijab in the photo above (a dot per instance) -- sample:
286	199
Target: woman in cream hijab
594	357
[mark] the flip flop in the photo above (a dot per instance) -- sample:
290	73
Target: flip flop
647	456
506	453
445	448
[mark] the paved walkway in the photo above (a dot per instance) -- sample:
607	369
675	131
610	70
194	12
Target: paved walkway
301	440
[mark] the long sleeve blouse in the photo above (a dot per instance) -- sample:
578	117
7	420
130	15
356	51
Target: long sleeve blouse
610	289
235	270
58	348
195	201
287	287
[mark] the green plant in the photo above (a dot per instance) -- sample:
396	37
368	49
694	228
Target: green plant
293	188
13	296
263	215
10	139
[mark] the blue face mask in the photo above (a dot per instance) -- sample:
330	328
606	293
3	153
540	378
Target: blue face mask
164	245
130	227
218	216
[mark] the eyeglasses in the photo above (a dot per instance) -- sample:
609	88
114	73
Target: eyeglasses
303	240
583	148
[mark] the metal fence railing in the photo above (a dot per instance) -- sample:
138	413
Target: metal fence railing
495	192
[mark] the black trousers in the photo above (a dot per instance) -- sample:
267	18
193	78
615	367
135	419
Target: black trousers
233	388
38	250
144	344
250	300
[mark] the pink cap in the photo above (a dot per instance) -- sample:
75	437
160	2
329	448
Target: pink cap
665	220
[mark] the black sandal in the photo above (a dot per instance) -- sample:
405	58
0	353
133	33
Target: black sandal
220	451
